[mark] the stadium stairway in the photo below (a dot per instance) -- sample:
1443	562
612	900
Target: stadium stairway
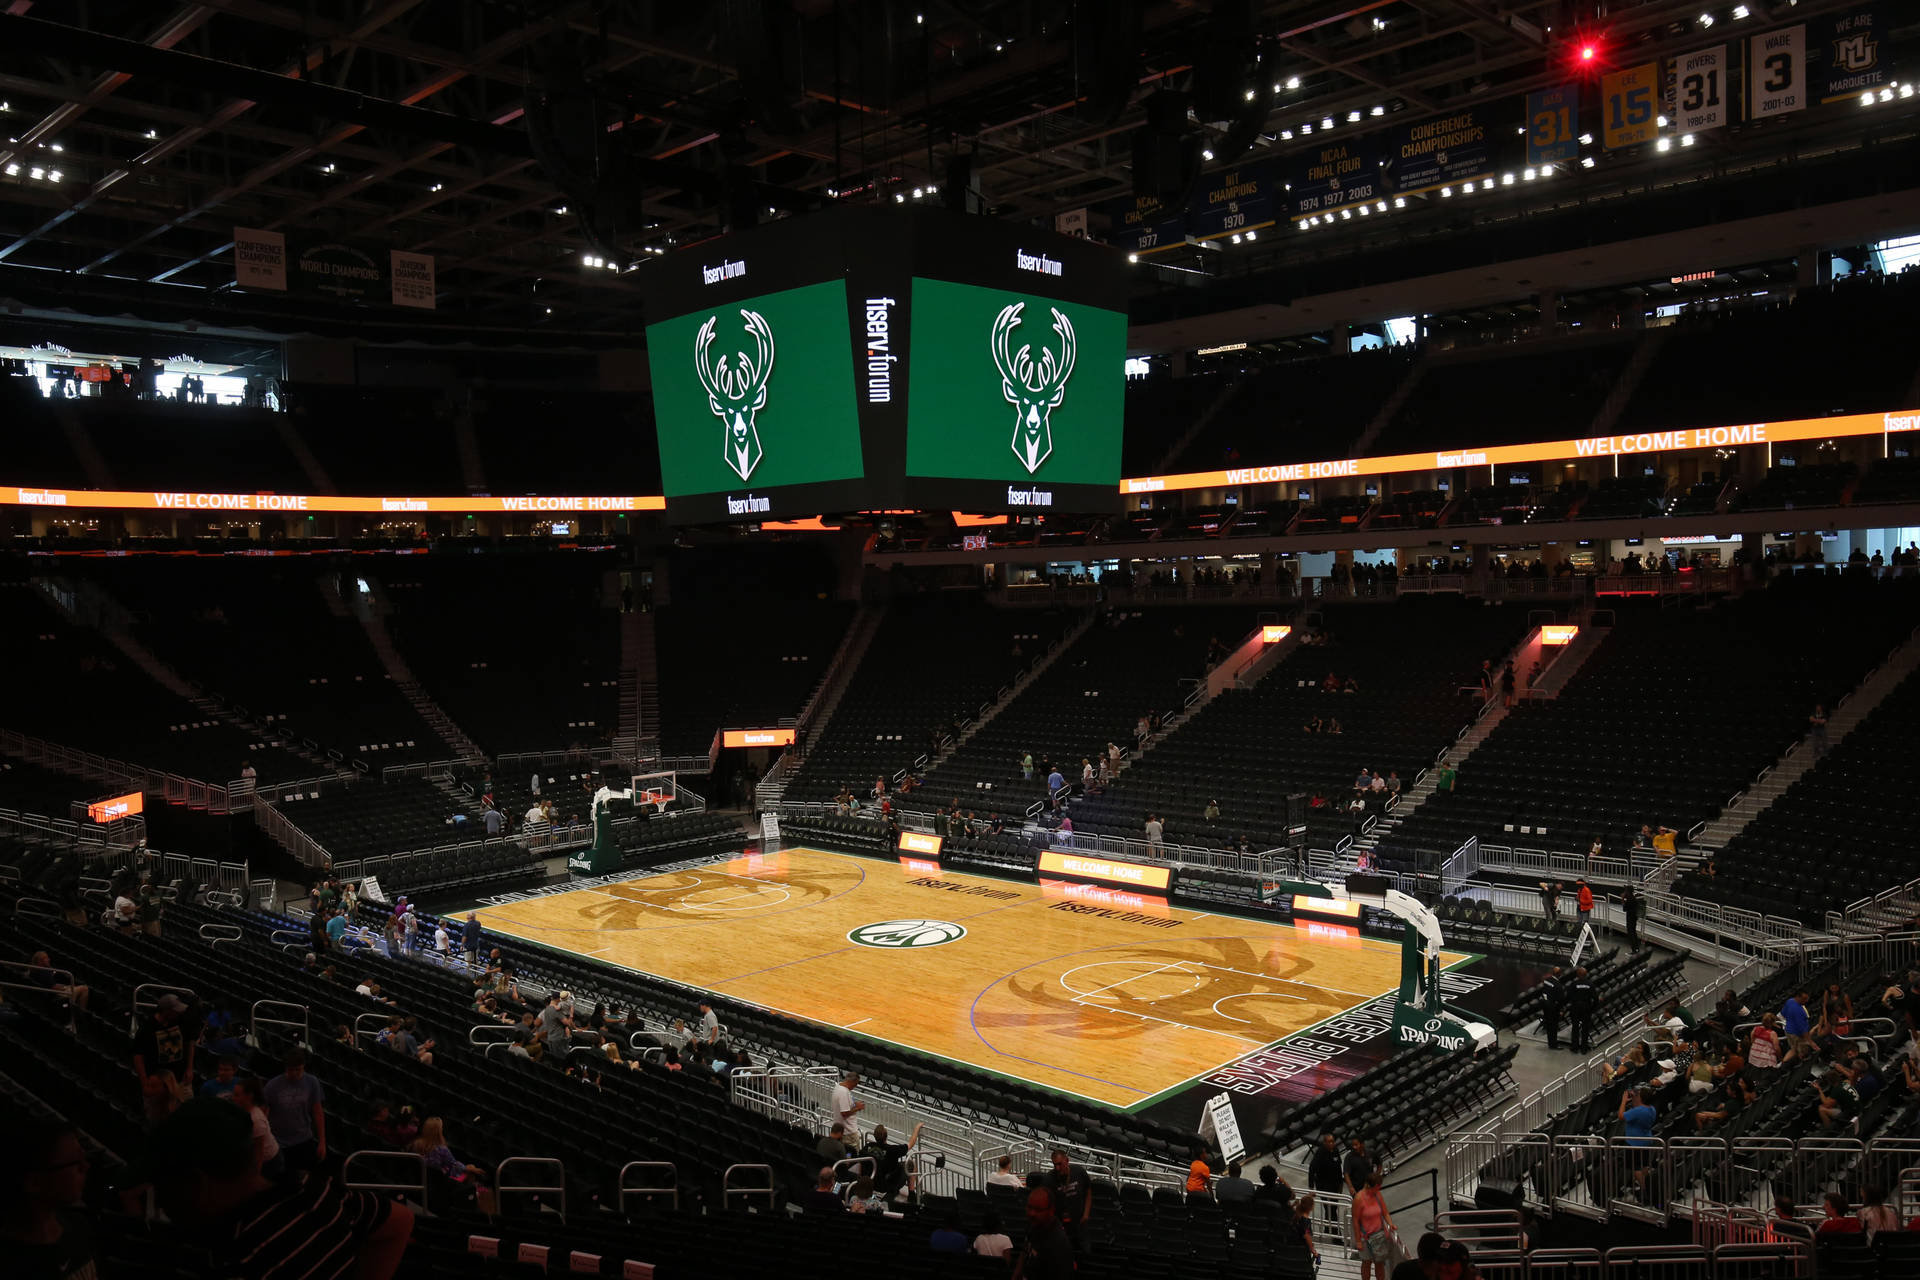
1017	688
820	706
639	678
1644	353
1222	398
1798	760
374	624
1390	408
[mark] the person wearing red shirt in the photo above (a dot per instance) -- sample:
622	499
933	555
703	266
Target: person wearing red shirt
1838	1220
1585	899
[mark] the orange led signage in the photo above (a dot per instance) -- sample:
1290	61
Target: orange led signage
117	808
1137	875
756	738
1344	908
1273	634
1853	424
128	500
920	842
1558	633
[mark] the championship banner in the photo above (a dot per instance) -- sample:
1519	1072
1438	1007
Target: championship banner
1627	106
1553	124
1697	92
259	259
343	272
1142	224
413	279
1777	72
1071	223
1233	201
1336	175
1853	54
1440	152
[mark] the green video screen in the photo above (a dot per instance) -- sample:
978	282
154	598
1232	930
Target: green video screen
1014	387
756	393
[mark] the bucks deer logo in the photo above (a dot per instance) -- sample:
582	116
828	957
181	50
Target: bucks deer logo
1034	388
736	389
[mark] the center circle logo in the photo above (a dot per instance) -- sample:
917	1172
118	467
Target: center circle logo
907	933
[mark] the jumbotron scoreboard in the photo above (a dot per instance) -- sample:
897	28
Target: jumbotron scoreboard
874	359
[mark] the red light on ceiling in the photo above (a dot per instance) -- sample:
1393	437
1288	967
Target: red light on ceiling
1587	52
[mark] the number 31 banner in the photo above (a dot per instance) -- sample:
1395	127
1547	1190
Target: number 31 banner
1628	101
1553	124
1777	72
1699	90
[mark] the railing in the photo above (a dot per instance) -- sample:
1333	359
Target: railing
1565	866
650	1168
277	827
172	787
556	1184
730	1188
415	1187
119	834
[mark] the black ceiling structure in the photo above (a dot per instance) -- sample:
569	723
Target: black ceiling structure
515	140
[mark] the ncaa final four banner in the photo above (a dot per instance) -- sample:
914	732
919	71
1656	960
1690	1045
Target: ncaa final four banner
1852	47
1336	175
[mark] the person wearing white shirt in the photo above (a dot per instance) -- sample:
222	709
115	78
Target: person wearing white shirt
126	913
843	1107
536	784
494	820
440	939
992	1242
1004	1176
534	815
709	1024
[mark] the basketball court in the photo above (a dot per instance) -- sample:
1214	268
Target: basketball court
1108	995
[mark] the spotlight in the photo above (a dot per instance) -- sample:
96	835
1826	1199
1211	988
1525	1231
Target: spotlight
1445	192
1293	82
1236	239
1665	144
1589	52
1377	111
1206	154
1586	139
1739	11
53	175
1530	174
1250	235
1326	122
1686	139
1353	117
1586	162
1133	257
1249	95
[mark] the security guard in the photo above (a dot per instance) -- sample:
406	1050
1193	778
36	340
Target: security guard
1550	1011
1581	999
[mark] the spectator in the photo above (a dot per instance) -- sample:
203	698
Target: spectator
1155	831
832	1149
393	1130
992	1242
948	1237
206	1175
1065	830
222	1081
843	1107
709	1024
293	1103
1233	1189
1817	731
44	975
472	939
1055	782
1839	1100
535	785
250	1096
43	1176
163	1058
495	821
410	1045
1372	1224
431	1145
1357	1167
1273	1189
126	913
1199	1178
1072	1201
1004	1176
1737	1095
1630	911
1582	999
442	943
1323	1170
1212	811
1837	1220
1793	1018
556	1027
890	1159
1875	1215
1393	783
1026	766
1048	1252
1552	1004
1583	901
1299	1228
1636	1122
822	1199
1086	773
1425	1263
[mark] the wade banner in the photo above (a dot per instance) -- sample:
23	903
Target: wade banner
259	259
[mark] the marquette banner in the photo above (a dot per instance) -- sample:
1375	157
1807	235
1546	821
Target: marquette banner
1698	90
1232	202
1553	124
1336	175
1750	433
1777	72
259	259
1629	101
413	282
1854	57
1142	224
125	500
1440	152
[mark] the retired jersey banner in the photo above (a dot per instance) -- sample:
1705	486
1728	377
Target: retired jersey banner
1440	151
1336	175
1698	90
1777	72
1853	53
1233	201
1553	124
1629	106
259	259
1142	224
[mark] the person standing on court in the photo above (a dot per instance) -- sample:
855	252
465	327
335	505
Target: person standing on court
1550	1012
1581	1000
843	1107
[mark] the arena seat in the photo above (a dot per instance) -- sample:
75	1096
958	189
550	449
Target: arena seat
726	668
1549	389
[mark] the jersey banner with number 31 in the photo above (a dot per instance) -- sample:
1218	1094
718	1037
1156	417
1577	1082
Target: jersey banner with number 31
1698	90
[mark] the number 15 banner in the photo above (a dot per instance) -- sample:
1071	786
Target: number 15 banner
1777	72
1699	90
1629	102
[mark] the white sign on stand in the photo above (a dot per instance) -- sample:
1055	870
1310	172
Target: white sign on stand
769	831
370	889
1219	1123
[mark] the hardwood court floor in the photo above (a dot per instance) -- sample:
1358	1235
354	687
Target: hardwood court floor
1094	992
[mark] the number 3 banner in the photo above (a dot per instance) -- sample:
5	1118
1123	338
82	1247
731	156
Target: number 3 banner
1699	90
1777	72
1628	100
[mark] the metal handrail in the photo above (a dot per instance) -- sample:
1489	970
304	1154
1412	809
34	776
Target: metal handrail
671	1189
500	1187
728	1191
414	1158
255	1019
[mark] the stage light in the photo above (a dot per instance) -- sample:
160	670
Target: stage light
152	134
1586	139
1866	99
1530	174
36	173
1706	19
1250	235
328	167
1665	144
1445	192
1353	117
1886	95
1249	95
919	18
562	211
918	192
1133	257
1906	91
1293	82
13	171
56	147
1378	111
1586	162
1739	11
1506	179
1326	122
932	190
1286	135
1686	139
898	198
1588	52
1381	207
1206	154
1236	239
1661	121
53	175
436	186
1399	202
1546	171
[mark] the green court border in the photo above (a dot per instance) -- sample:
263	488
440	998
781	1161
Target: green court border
1130	1109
